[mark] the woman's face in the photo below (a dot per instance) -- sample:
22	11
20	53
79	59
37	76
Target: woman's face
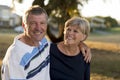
73	35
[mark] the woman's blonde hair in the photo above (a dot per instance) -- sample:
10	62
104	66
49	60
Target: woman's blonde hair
81	22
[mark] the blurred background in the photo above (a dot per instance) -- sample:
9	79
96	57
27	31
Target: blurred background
104	38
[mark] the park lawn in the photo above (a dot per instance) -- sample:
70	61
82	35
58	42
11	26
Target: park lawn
107	38
5	41
105	49
105	61
105	65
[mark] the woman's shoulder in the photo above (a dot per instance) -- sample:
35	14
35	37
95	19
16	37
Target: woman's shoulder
55	44
54	47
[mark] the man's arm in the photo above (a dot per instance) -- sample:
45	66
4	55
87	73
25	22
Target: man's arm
86	52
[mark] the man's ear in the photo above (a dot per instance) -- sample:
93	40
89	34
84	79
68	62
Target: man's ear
23	25
64	32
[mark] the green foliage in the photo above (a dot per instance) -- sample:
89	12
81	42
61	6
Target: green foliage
110	22
64	8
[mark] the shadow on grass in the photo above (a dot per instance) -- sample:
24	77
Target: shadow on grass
105	64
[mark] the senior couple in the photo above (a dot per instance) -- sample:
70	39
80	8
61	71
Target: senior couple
32	57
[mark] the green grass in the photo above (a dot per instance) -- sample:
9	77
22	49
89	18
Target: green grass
105	64
105	49
5	40
115	30
110	36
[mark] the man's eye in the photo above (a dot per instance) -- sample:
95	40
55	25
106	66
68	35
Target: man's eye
68	29
75	31
42	23
33	23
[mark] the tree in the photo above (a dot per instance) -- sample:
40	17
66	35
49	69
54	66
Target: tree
59	11
110	22
13	5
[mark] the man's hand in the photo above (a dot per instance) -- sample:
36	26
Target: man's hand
86	52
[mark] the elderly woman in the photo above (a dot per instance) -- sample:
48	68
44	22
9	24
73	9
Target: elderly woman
67	61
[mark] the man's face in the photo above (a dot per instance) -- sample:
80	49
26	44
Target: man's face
36	27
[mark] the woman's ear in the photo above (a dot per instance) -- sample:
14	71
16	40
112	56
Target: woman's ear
84	37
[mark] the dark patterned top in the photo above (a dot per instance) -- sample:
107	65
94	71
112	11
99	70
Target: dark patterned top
63	67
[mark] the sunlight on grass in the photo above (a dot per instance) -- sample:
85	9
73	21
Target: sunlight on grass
5	41
95	76
104	46
108	38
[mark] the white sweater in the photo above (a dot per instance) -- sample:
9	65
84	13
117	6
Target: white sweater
24	62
